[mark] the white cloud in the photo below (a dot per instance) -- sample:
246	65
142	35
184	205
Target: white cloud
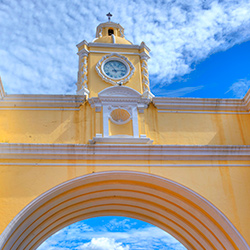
108	237
119	224
240	88
179	92
103	244
38	38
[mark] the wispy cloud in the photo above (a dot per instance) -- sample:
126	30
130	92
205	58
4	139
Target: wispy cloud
82	236
37	40
179	92
240	88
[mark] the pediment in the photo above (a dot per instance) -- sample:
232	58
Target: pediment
119	91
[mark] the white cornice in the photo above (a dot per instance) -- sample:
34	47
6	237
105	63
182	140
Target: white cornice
117	139
143	45
124	152
84	42
2	93
169	103
83	52
246	100
114	45
121	95
52	101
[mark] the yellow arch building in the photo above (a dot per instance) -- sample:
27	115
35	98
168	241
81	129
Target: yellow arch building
182	164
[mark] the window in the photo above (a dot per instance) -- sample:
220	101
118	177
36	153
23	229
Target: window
110	32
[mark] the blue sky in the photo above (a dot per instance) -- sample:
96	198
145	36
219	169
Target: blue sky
199	48
111	233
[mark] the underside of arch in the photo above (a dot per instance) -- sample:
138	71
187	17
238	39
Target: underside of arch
191	219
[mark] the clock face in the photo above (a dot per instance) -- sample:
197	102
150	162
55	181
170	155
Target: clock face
115	69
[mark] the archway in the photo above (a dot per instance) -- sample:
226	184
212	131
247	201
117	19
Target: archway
191	219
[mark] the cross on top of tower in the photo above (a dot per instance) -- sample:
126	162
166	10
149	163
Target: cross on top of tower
109	15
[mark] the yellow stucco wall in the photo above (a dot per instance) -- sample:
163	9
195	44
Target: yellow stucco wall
227	188
22	179
78	127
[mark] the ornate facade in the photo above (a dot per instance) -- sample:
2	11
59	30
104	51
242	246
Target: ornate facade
182	164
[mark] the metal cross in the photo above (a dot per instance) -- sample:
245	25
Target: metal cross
109	15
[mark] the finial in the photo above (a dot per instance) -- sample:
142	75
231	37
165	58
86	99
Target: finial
109	15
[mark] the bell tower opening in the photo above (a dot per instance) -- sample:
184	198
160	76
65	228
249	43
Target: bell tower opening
110	31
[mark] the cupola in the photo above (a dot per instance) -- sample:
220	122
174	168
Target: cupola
110	32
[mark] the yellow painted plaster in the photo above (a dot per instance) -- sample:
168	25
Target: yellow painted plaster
228	188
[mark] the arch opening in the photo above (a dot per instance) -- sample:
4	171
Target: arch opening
111	232
191	219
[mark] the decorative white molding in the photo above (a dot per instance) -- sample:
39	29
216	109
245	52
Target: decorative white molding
144	56
246	100
48	109
114	45
2	92
82	53
124	60
83	91
124	98
120	165
203	112
119	95
125	152
144	46
84	42
113	38
82	81
38	101
201	104
147	94
117	52
121	139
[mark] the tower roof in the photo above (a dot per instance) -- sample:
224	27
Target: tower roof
110	32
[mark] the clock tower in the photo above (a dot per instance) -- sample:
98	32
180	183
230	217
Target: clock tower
111	60
113	75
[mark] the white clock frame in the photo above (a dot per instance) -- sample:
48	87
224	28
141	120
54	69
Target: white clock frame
118	57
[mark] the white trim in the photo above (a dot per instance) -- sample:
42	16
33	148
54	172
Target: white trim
203	112
114	45
113	38
62	101
124	98
122	139
124	152
105	121
201	104
117	52
144	56
82	53
246	99
2	92
144	46
84	42
49	109
119	165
